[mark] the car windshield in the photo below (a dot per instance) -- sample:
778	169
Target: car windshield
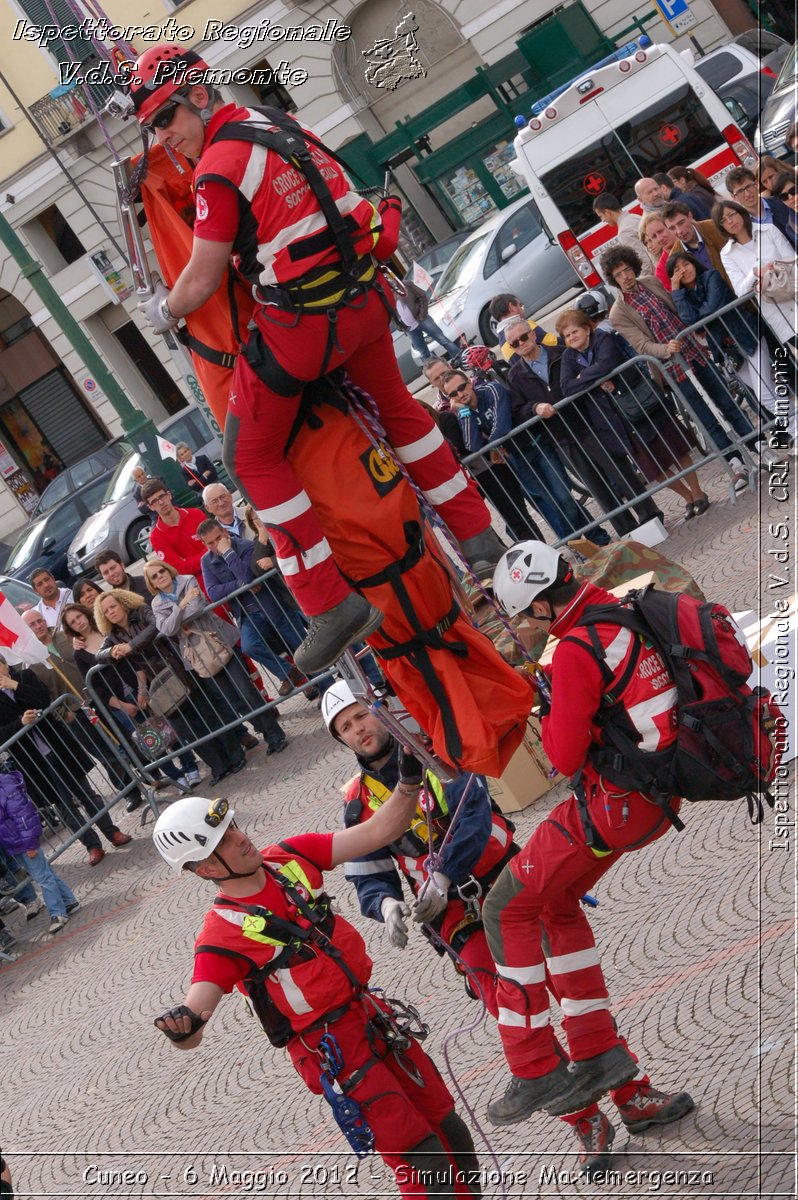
121	482
24	547
17	592
463	266
789	70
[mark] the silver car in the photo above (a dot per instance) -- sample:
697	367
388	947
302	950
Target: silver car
118	525
510	252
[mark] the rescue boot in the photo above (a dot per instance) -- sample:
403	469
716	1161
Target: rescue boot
595	1136
555	1091
483	551
330	633
651	1107
600	1074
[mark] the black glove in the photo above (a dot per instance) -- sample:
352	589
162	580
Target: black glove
411	771
175	1013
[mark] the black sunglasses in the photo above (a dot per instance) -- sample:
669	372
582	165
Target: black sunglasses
456	391
519	341
164	118
790	191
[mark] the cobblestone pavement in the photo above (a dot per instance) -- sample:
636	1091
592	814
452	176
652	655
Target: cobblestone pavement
697	941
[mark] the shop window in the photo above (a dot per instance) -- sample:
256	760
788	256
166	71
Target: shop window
270	93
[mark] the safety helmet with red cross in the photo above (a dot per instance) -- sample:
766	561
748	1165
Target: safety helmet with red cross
160	74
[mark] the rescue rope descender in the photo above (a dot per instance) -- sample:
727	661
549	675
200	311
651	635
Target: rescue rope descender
347	1112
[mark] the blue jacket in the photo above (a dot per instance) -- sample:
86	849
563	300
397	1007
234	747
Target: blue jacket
223	574
376	875
492	418
709	293
20	823
605	351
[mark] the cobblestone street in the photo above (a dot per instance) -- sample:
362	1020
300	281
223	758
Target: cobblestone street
697	938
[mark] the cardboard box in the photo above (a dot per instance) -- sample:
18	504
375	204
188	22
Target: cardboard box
650	534
527	776
640	581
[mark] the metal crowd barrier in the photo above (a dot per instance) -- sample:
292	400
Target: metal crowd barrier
667	430
75	773
205	714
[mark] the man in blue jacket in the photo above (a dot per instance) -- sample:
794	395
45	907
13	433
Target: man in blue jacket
230	564
448	900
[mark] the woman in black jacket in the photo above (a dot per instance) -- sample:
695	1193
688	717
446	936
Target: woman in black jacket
627	412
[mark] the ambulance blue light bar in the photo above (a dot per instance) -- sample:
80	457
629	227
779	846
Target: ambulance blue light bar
625	52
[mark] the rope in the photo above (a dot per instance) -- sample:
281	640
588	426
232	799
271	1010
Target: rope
366	416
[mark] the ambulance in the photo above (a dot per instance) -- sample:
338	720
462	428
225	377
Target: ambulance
631	115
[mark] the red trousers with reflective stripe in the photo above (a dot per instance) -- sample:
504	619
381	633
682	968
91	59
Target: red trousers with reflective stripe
544	883
401	1112
259	422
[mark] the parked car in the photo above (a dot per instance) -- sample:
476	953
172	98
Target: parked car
116	523
751	53
408	367
510	252
434	260
21	595
100	462
780	111
745	98
46	540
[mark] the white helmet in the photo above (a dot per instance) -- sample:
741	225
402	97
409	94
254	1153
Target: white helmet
335	700
522	573
191	829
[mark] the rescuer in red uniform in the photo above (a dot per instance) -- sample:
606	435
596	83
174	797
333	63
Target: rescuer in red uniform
272	198
271	932
568	852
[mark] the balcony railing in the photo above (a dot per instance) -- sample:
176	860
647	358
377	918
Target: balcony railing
63	114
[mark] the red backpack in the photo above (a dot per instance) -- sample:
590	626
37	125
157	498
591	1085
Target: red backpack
726	746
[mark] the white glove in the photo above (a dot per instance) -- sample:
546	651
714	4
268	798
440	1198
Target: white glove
432	897
152	308
394	914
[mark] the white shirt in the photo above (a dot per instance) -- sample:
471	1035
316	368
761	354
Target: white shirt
52	612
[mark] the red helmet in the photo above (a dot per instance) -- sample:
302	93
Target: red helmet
159	73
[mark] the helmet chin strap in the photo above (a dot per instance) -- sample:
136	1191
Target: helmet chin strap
233	874
387	749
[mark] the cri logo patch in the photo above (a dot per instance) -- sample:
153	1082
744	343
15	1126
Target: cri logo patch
516	574
381	468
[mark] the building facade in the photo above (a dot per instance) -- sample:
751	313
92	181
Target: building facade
425	89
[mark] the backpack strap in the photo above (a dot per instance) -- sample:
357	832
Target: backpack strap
288	140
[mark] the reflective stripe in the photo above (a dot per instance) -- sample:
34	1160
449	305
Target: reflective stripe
560	964
447	491
373	866
618	648
523	1020
578	1008
315	223
535	974
413	451
501	833
281	513
643	717
292	993
310	558
253	175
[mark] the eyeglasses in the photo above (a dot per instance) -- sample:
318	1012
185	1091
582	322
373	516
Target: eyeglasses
158	571
622	272
520	340
788	193
163	119
456	391
729	213
158	499
745	190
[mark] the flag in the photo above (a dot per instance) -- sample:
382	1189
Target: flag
166	449
17	641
